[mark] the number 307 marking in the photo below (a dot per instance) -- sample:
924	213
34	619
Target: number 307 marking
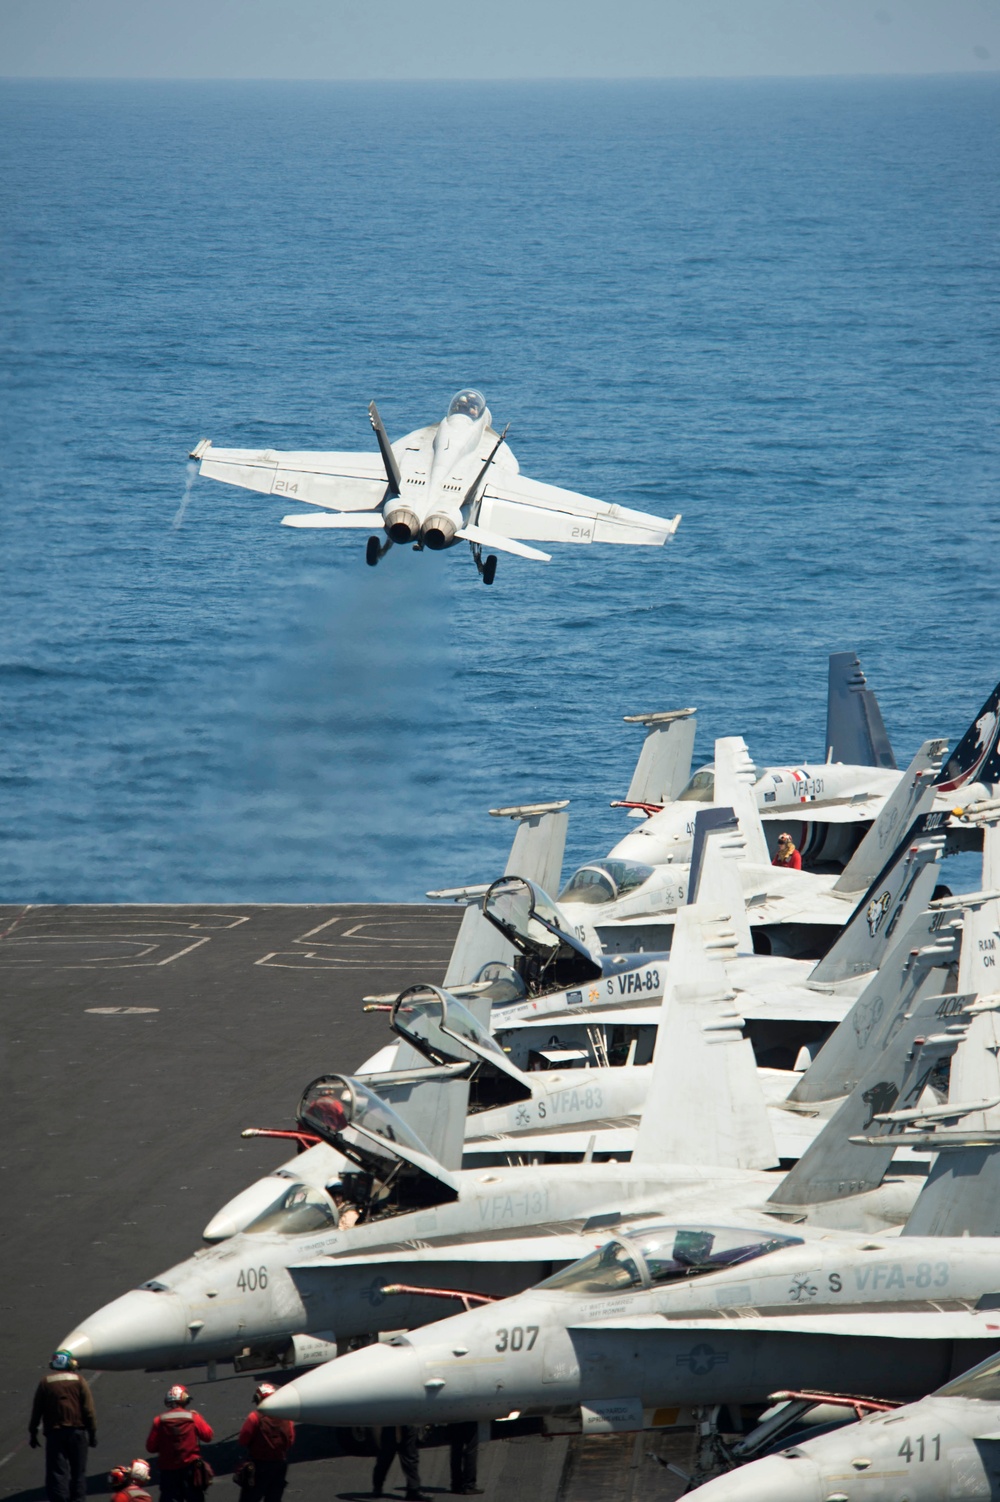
513	1340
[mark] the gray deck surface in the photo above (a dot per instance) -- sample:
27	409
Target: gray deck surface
137	1042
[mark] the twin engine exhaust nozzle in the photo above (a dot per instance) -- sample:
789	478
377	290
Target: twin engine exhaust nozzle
438	531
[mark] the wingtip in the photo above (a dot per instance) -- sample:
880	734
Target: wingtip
200	449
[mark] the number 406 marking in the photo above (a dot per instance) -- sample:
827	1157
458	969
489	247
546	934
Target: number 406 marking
251	1279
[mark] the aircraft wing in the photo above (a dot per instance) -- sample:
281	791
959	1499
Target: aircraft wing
565	1246
339	481
921	1323
515	506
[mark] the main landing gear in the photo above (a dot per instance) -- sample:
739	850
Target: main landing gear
376	549
487	570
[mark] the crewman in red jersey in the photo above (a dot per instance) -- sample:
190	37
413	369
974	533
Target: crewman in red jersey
267	1441
787	855
176	1438
130	1482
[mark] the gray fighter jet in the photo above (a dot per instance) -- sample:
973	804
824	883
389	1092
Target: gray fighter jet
945	1446
297	1275
823	805
454	481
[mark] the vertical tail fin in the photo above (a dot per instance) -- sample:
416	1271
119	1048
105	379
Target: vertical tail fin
900	892
537	855
962	1193
717	847
914	795
705	1104
976	758
734	779
920	964
855	733
834	1166
664	764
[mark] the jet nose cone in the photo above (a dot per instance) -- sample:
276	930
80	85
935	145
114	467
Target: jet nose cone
142	1328
378	1385
776	1478
284	1404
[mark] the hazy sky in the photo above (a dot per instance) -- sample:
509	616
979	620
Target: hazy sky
418	39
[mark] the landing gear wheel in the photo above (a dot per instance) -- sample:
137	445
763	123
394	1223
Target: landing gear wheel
490	569
373	552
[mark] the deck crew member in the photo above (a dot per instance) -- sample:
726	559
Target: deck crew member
267	1441
786	854
65	1409
176	1438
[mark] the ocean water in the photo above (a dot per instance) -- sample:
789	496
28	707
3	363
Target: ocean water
771	305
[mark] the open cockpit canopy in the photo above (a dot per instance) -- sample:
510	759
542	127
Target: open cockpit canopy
445	1032
664	1254
362	1126
441	1028
551	956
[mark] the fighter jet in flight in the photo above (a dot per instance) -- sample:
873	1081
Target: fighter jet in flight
453	481
945	1445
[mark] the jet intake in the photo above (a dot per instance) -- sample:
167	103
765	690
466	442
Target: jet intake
439	531
401	523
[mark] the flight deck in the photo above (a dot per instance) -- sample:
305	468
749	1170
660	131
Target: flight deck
138	1042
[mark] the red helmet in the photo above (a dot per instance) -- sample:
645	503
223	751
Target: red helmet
117	1476
265	1390
177	1396
139	1471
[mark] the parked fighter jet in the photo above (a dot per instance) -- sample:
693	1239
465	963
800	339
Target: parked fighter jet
676	1314
453	481
946	1445
824	805
631	905
295	1273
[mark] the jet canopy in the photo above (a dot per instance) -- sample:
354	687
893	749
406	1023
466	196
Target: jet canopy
983	1382
300	1210
550	955
399	1173
445	1032
441	1028
701	788
467	403
664	1254
605	881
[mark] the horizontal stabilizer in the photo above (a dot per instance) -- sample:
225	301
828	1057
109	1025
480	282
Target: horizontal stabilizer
369	520
485	539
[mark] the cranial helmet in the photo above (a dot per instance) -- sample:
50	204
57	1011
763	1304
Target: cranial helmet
139	1470
265	1390
63	1361
118	1476
177	1397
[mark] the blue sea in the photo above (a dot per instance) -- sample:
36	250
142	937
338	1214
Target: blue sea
773	306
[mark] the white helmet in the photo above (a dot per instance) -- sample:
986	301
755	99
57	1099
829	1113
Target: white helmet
139	1470
265	1390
